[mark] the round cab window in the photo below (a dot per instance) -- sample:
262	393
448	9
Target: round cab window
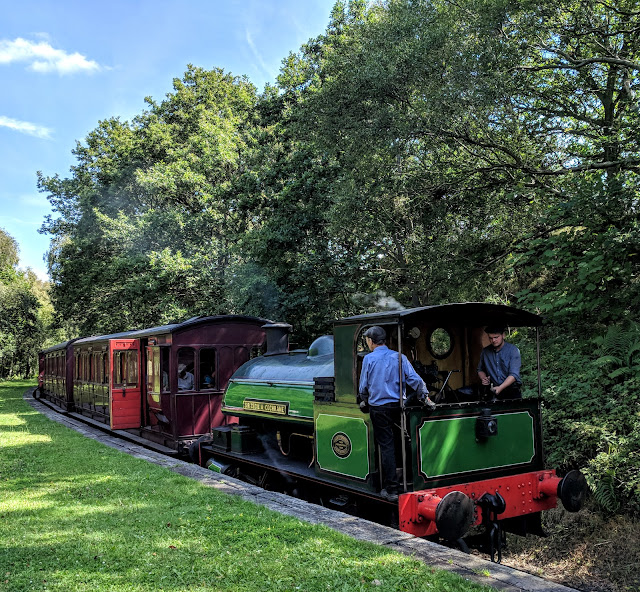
440	343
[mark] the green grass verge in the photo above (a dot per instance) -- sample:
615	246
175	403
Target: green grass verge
77	515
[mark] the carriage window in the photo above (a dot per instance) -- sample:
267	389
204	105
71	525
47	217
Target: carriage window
132	368
117	368
186	365
208	368
164	366
125	368
152	372
98	368
105	365
158	369
440	343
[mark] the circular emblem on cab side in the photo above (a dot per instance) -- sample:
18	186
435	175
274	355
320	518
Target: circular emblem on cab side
341	445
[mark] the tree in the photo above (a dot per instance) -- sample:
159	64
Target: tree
578	79
147	219
21	326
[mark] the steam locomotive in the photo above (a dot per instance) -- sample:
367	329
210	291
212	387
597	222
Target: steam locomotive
474	464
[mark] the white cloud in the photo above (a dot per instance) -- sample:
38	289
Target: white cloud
41	57
25	127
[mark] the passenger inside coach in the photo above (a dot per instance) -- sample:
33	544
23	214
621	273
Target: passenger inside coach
185	379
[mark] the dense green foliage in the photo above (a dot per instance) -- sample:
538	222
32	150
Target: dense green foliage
25	314
106	521
592	418
416	152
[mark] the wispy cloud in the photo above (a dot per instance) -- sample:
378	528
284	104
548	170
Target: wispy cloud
256	54
42	57
25	127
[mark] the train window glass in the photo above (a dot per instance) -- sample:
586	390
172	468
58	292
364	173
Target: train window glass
208	373
153	384
157	370
132	368
440	343
186	365
164	365
106	368
117	368
101	358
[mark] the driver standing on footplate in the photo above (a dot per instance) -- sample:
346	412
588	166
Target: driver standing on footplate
380	389
499	366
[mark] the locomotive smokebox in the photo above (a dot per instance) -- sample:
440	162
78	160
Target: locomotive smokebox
277	338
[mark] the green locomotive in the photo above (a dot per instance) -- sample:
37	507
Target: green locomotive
471	461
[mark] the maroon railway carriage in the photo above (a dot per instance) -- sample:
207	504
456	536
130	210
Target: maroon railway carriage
55	374
130	381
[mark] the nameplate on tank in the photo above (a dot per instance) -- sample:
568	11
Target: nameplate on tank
265	406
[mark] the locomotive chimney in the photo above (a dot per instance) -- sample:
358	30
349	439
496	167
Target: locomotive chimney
277	338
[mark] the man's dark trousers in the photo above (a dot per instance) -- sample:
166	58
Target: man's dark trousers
383	419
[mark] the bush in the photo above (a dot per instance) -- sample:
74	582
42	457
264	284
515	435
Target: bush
591	414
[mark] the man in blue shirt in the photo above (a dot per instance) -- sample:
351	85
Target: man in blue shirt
499	366
379	388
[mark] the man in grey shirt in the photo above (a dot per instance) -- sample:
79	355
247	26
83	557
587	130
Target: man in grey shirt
499	366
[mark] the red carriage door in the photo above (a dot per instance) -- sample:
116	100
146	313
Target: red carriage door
125	404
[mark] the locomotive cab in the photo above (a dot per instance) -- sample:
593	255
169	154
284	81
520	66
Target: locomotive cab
485	450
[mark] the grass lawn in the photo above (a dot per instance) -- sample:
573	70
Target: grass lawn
76	515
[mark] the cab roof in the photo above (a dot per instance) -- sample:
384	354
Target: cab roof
472	314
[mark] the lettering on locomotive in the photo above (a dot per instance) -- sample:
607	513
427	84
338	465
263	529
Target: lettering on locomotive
265	406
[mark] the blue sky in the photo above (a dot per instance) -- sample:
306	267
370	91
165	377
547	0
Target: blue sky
65	65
